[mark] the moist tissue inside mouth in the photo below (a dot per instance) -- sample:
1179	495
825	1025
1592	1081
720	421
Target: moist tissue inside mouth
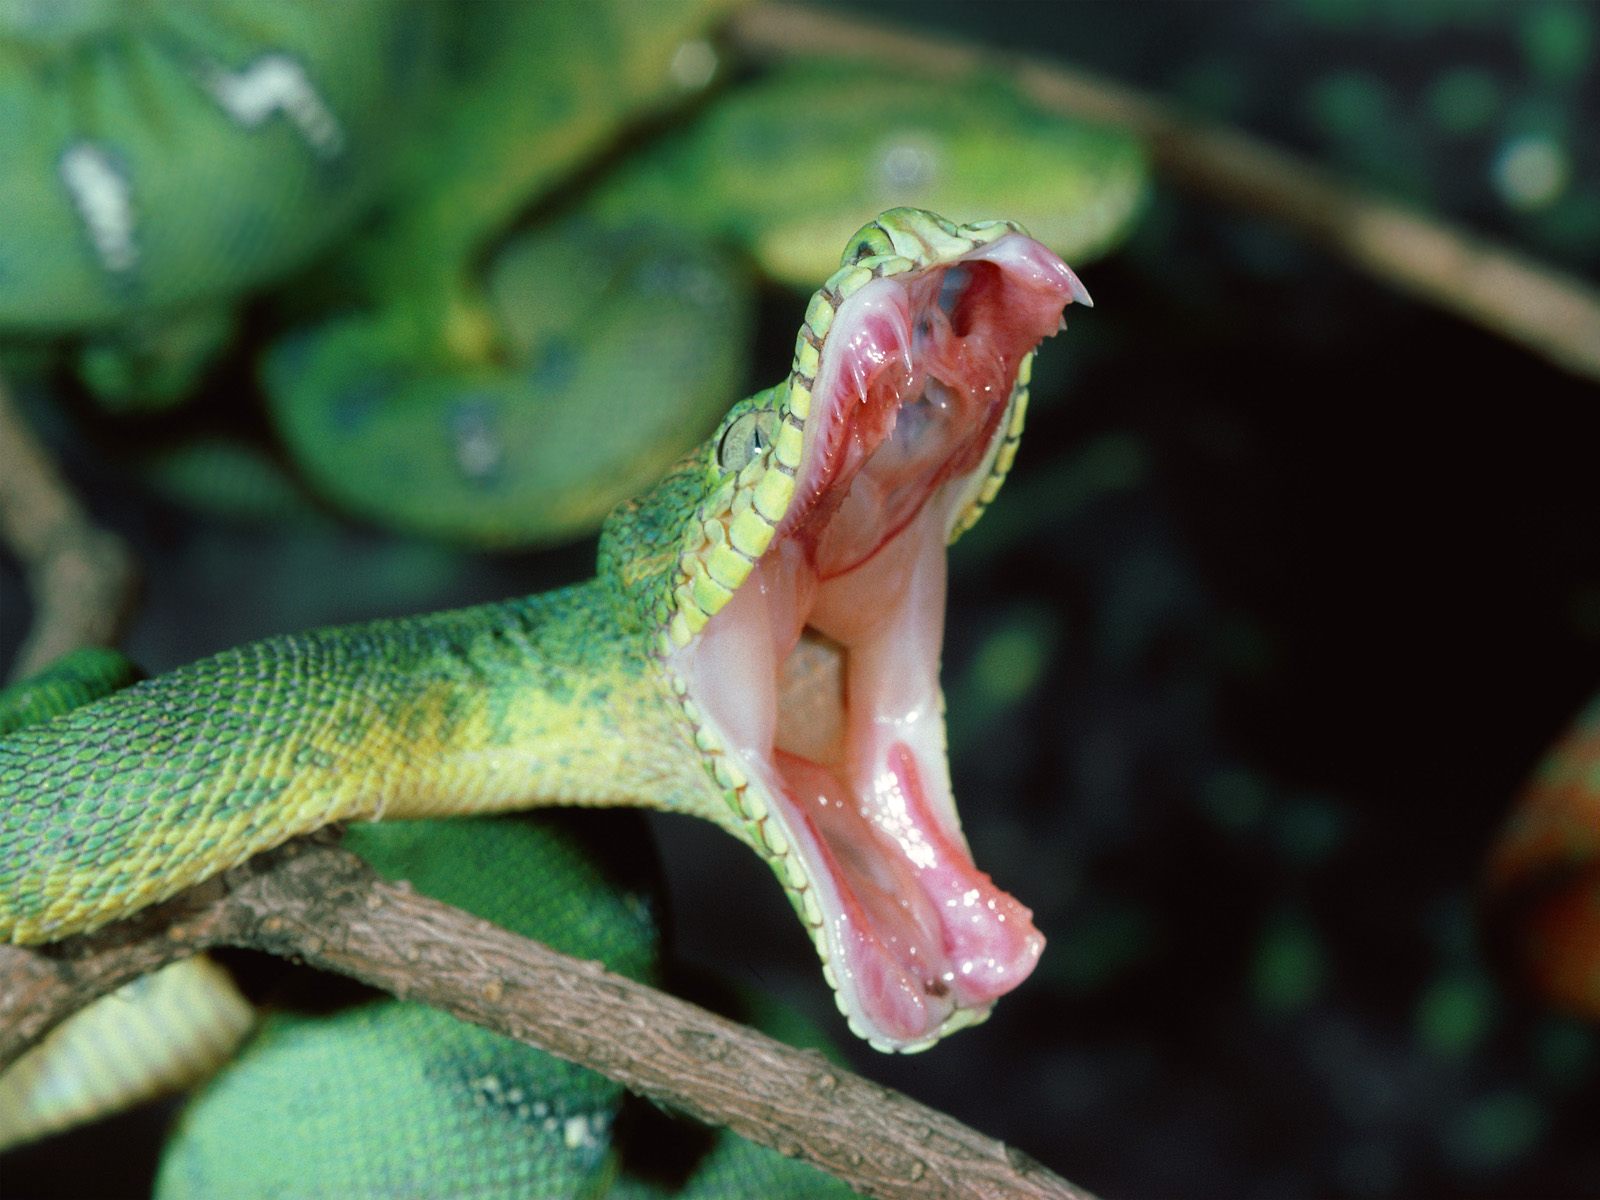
823	667
918	931
856	757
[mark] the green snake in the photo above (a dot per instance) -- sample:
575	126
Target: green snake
456	356
471	1113
159	158
393	187
455	401
759	647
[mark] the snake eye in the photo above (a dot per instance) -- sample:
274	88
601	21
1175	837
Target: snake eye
746	438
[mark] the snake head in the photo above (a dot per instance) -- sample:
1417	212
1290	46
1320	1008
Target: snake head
794	573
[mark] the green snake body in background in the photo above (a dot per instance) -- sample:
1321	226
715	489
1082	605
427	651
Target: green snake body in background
192	151
196	149
450	374
451	403
469	276
747	172
760	647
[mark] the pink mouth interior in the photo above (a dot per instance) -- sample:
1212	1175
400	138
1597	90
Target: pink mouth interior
822	670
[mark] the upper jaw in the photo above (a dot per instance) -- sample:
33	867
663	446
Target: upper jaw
837	774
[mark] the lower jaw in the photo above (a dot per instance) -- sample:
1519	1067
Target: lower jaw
917	941
920	942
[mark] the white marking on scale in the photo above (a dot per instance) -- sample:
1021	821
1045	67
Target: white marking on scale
272	84
104	200
576	1133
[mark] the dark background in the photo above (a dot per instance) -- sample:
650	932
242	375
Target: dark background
1292	584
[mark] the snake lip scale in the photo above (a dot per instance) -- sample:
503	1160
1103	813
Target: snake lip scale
815	680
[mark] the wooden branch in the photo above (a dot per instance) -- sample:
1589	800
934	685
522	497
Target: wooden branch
314	902
82	577
1551	314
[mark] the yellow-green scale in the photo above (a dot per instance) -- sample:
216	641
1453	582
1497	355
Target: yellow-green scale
510	705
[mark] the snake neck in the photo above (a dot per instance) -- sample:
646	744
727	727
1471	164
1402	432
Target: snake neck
530	702
547	700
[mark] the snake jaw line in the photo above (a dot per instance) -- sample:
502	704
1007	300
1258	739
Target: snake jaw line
808	611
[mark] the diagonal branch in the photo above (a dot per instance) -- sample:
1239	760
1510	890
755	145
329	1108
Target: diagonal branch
1551	314
314	902
82	577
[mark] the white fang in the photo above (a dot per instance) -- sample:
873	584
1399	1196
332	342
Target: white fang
272	84
104	199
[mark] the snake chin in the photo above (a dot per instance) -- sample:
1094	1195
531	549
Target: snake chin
821	672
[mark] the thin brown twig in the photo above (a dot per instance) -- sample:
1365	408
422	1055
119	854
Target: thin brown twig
1541	309
314	902
82	577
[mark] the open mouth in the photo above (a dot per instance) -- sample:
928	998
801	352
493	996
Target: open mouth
821	671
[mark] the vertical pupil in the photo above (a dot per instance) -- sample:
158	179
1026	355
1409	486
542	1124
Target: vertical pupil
746	439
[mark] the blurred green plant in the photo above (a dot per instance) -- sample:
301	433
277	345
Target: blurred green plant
1290	965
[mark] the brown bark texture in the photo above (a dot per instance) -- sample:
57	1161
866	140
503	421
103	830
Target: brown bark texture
316	903
82	578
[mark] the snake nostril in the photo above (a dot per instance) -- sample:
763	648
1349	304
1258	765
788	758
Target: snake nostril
871	240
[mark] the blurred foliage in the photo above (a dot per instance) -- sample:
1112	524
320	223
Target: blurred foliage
1481	108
